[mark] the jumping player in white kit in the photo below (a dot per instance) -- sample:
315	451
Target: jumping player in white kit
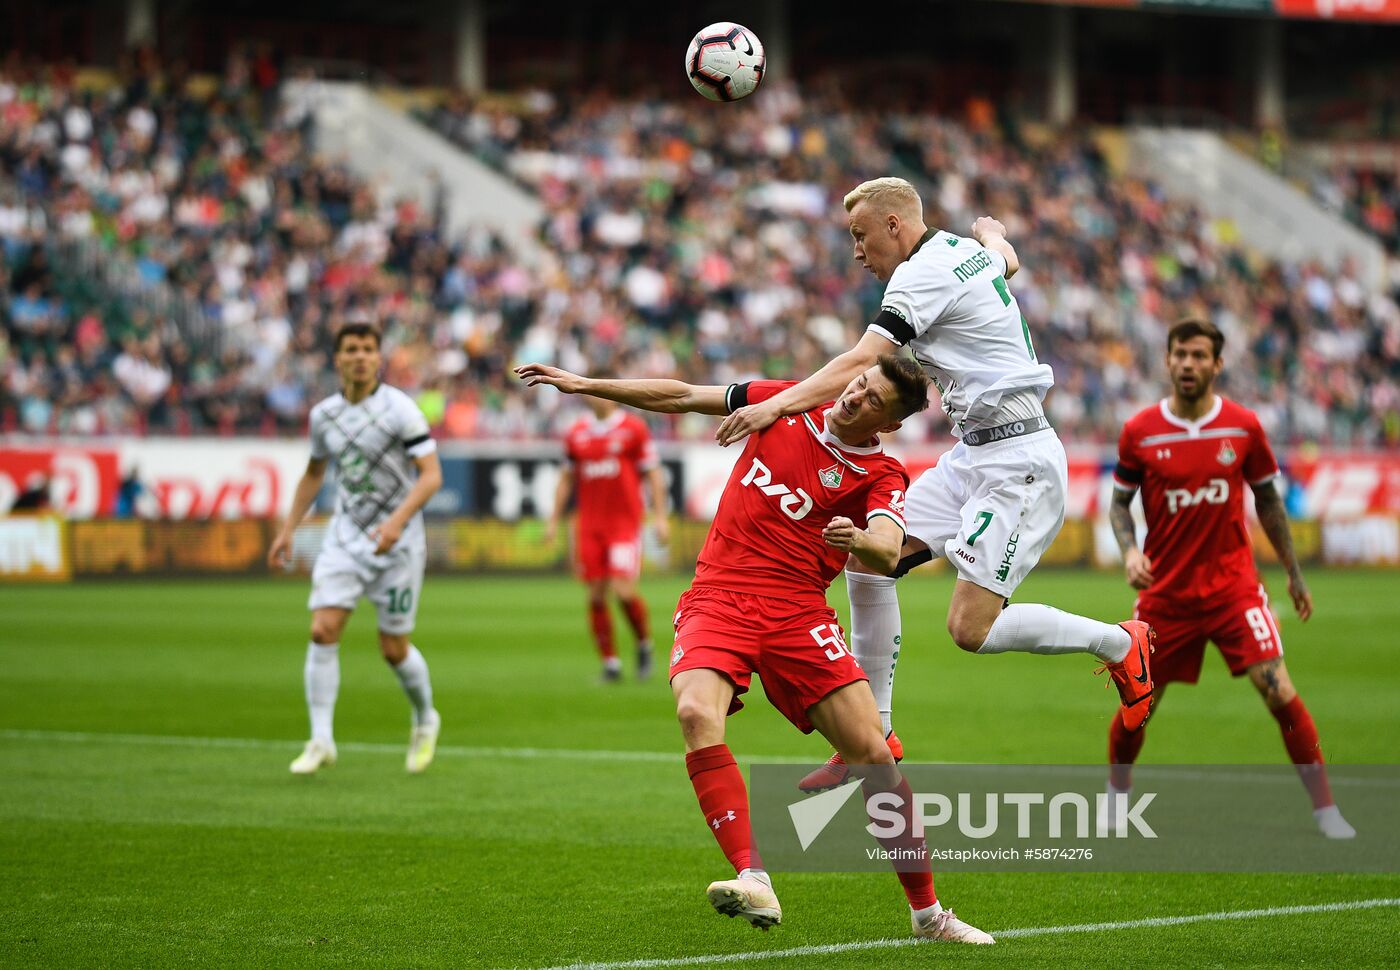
375	546
995	501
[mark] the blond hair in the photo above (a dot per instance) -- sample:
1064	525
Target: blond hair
893	194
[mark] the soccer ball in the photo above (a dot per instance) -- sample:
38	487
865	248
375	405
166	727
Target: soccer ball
725	62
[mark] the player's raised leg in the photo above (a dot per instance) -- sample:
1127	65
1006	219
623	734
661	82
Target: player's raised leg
981	621
703	697
1270	678
848	718
321	678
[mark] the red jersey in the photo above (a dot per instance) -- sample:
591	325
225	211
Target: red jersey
608	459
1193	476
790	480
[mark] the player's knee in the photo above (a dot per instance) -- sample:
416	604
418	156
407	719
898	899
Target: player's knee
323	631
1277	694
969	634
393	647
868	750
697	717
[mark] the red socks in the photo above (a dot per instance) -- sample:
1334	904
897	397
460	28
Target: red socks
918	885
636	612
719	786
1300	738
1123	748
601	621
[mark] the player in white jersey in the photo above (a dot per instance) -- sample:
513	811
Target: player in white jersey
386	470
995	501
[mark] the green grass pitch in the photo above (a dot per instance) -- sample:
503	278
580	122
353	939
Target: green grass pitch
149	819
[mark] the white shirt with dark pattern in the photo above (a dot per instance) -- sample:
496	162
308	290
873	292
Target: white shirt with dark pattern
373	444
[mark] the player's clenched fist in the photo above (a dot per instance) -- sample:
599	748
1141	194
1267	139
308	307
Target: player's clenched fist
1138	568
840	533
280	553
987	226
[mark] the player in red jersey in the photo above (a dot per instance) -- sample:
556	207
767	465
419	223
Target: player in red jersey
609	454
786	525
1192	456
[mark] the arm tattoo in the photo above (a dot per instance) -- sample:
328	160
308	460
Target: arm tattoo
1120	516
1268	505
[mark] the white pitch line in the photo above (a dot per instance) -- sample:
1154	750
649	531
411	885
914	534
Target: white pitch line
1167	772
368	747
886	944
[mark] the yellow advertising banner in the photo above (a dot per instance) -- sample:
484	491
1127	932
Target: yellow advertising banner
34	548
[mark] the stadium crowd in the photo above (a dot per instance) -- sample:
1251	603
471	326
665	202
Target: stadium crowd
680	239
1368	197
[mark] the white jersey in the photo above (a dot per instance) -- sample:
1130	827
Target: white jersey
373	444
949	302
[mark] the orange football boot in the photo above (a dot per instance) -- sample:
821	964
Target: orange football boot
1133	674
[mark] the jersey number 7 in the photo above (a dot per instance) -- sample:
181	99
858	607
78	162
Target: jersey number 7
999	284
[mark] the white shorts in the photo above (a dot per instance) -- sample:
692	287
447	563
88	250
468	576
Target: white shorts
392	583
994	509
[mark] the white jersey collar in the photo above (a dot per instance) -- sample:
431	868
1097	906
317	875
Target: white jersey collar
825	436
1193	428
364	400
596	426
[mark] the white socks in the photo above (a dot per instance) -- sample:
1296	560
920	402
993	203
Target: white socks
322	678
928	913
413	675
1032	628
875	634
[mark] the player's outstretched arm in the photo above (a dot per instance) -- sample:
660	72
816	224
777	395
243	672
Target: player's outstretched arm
662	395
307	488
1268	505
821	387
1135	564
877	546
992	234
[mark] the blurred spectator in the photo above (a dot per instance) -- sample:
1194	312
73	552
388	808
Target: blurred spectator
677	241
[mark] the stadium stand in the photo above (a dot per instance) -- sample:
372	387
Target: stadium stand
677	246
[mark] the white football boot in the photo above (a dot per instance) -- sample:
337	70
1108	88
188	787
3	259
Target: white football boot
316	754
943	925
750	898
422	744
1331	824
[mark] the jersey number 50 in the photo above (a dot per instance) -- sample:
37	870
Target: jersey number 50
828	636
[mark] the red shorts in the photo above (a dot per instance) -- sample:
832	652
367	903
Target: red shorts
1242	628
795	646
608	554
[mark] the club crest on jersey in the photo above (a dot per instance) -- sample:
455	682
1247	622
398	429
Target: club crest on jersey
831	477
1226	455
